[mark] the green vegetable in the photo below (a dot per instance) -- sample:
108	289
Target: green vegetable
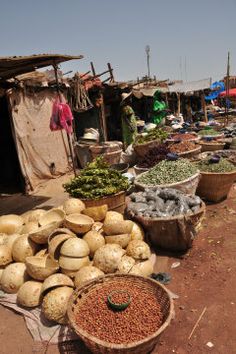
154	134
167	172
222	166
208	132
96	181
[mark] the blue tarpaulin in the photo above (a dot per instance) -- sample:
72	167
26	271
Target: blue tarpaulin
217	88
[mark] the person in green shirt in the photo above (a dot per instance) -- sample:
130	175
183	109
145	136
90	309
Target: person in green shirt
159	108
128	120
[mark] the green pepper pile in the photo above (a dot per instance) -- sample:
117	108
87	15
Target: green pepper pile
96	180
208	132
154	134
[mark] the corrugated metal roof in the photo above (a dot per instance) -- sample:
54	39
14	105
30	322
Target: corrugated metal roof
191	86
13	66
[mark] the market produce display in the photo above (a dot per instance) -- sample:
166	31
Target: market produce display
96	180
183	137
208	132
139	320
154	134
167	172
69	250
216	165
154	156
163	202
182	146
229	131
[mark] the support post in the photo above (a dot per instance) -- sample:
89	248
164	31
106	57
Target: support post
68	136
203	104
178	103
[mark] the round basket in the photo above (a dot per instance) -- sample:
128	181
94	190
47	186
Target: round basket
212	146
175	233
115	202
139	170
142	149
190	153
110	157
196	139
215	187
140	347
187	186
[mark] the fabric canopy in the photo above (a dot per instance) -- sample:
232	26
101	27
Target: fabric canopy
232	93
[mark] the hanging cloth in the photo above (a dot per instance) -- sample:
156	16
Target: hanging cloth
61	117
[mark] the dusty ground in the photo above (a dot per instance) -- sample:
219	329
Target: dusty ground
205	278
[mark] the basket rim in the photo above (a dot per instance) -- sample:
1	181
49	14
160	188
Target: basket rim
219	173
170	185
190	151
105	197
170	218
132	344
157	140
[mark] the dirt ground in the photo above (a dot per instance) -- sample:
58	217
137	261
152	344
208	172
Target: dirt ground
205	278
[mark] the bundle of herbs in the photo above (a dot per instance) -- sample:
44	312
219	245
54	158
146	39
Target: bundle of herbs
96	180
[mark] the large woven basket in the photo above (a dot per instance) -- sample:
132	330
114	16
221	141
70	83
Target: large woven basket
187	186
115	202
212	146
175	233
190	153
215	187
142	149
144	346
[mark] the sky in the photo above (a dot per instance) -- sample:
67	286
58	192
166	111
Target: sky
188	39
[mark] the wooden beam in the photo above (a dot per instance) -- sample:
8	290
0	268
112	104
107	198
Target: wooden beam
178	103
203	104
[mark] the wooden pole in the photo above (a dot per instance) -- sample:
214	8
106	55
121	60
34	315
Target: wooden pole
203	104
111	72
178	103
60	98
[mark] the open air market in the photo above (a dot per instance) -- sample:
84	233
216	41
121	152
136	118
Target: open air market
117	208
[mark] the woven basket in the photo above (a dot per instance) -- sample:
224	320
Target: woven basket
175	233
215	187
187	186
212	146
142	149
139	170
190	153
115	202
110	157
144	346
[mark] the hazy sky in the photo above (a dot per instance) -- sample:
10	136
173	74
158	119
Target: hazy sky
196	32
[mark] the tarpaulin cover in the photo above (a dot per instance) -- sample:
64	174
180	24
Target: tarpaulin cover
43	154
218	87
232	93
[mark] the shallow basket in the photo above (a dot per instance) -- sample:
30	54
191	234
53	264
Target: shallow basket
142	149
212	147
110	157
115	202
139	170
190	153
175	233
215	187
144	346
187	186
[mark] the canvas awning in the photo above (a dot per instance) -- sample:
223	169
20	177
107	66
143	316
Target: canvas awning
13	66
231	93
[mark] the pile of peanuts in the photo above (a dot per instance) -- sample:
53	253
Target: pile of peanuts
139	320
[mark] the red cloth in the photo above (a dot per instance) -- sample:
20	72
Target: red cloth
232	93
61	117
